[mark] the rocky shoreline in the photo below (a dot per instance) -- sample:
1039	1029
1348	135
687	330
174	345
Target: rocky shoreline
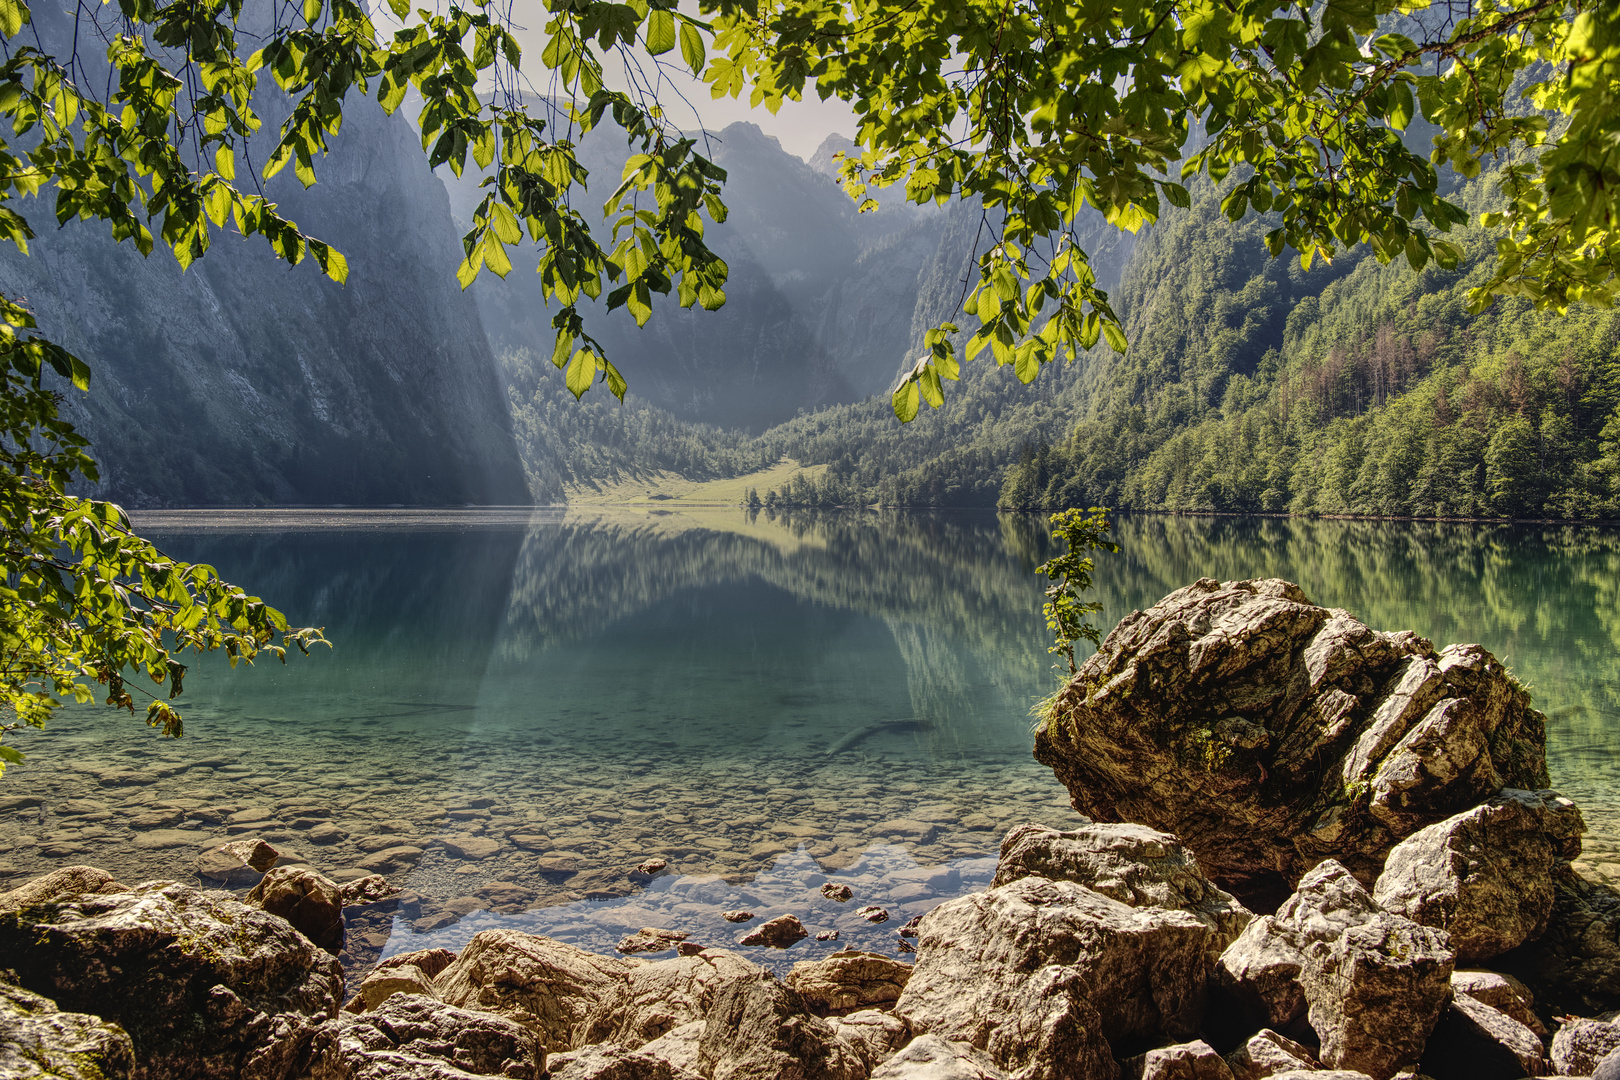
1343	862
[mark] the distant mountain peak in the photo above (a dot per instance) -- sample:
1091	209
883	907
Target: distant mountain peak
822	160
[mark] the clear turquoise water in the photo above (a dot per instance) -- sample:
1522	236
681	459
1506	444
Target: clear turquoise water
756	699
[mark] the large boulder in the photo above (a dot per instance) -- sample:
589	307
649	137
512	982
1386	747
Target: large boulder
1578	1045
40	1042
1269	733
1574	966
68	882
204	985
1473	1041
875	1034
1267	1053
1133	864
933	1058
615	1063
417	1038
1044	975
1370	983
305	898
656	998
849	981
549	987
760	1030
1196	1060
1484	876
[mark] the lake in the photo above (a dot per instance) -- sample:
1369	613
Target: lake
522	706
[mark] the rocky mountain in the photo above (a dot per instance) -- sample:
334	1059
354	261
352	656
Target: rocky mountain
242	381
823	307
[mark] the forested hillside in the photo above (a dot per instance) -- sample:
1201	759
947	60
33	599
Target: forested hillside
1356	388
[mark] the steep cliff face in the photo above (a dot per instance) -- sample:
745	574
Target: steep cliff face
242	381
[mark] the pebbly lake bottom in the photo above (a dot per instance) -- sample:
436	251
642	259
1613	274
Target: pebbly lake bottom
522	707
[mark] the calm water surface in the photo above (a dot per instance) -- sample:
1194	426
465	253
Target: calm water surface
532	703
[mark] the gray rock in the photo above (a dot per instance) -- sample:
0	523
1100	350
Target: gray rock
1269	733
1371	983
1578	1046
782	932
1473	1041
1608	1068
651	939
848	981
1484	876
1268	1053
384	983
1133	864
547	986
1574	966
1196	1060
371	889
63	884
39	1042
1501	992
678	1046
431	961
238	863
930	1057
760	1030
876	1035
614	1063
205	986
1043	975
410	1037
308	900
657	998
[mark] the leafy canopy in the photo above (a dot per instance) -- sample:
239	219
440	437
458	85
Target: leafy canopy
1311	110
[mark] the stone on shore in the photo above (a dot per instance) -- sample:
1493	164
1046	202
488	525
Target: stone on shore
63	884
1133	864
930	1057
1574	966
655	999
651	939
876	1035
1473	1041
384	983
1371	984
1501	992
678	1046
849	981
40	1042
1484	876
1044	975
782	932
1578	1046
311	902
410	1037
545	985
760	1030
1269	733
205	986
1196	1060
1267	1053
615	1063
238	864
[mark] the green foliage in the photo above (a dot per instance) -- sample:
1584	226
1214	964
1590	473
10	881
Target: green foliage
1039	108
1070	574
86	602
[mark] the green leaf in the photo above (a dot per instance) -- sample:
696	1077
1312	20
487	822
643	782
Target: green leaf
581	370
13	15
1116	336
1401	107
906	400
692	50
660	31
